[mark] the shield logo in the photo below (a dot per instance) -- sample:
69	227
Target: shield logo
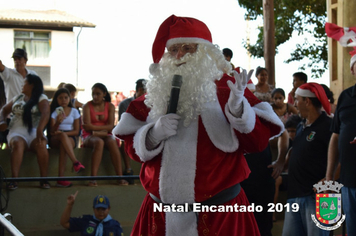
328	208
310	137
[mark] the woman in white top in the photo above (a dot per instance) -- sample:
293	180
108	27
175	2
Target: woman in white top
63	132
30	115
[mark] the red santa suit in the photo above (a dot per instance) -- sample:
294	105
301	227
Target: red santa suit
199	162
202	160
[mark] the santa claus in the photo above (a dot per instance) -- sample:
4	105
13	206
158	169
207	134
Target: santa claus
195	155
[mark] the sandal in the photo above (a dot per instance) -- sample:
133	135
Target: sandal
122	182
92	184
45	185
129	171
12	186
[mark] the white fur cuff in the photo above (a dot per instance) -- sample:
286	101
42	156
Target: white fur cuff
127	125
140	144
265	111
246	123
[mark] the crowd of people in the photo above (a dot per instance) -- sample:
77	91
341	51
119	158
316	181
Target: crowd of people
227	143
31	121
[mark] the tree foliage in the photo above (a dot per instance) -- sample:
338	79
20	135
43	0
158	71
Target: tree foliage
305	17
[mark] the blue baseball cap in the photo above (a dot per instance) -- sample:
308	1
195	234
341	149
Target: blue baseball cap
101	201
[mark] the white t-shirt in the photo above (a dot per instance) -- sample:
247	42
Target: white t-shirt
13	82
67	123
18	109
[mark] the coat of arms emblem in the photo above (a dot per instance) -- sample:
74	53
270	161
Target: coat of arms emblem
328	206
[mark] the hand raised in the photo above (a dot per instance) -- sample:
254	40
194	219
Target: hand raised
241	82
71	198
237	90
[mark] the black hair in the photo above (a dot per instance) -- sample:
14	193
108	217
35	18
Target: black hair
293	121
259	70
54	103
103	88
2	93
278	90
141	83
71	88
227	52
37	91
328	93
301	76
61	85
316	103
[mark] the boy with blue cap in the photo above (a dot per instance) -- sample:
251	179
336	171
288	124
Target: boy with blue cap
98	224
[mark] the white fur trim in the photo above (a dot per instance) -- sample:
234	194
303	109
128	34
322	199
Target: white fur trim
179	164
305	93
140	144
127	125
251	86
246	123
222	135
177	177
130	125
265	111
153	68
170	42
178	224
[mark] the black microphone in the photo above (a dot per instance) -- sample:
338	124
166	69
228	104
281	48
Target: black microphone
173	101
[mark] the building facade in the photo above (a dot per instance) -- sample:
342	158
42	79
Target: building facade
48	38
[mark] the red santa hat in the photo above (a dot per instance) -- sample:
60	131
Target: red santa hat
314	90
353	58
179	30
346	37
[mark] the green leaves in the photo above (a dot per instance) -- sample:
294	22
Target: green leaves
304	17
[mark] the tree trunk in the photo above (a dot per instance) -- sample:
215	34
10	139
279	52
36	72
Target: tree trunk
268	39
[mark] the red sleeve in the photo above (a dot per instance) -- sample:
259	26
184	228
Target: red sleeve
140	111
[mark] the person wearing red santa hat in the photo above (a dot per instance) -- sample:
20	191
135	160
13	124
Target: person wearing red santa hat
308	159
194	157
342	146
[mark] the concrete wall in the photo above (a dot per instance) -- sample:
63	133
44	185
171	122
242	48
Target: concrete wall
36	212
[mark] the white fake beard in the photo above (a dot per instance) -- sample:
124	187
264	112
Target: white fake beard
199	73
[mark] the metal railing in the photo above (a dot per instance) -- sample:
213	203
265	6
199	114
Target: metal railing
6	224
72	178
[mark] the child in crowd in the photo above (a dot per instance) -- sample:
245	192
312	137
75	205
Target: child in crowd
282	109
291	127
331	99
73	92
100	223
299	78
98	122
64	131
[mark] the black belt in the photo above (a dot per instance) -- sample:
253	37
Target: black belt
218	199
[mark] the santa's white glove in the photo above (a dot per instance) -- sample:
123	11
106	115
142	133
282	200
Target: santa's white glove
237	92
165	127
